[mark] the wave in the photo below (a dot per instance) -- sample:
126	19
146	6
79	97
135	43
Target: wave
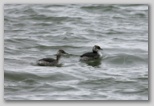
19	76
132	91
112	32
47	18
100	7
139	14
28	77
34	15
126	59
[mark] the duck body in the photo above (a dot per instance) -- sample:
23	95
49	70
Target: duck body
47	62
89	56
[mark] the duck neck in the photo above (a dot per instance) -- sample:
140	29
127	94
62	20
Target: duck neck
94	51
58	57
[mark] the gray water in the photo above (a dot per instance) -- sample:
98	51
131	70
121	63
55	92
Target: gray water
32	32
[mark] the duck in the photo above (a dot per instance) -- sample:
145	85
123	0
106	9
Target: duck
95	54
51	61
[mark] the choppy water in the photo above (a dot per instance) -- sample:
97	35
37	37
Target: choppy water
32	32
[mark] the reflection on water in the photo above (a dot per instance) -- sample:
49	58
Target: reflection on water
94	63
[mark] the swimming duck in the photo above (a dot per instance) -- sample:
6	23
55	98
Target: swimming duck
91	55
51	61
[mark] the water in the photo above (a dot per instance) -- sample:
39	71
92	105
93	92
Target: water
32	32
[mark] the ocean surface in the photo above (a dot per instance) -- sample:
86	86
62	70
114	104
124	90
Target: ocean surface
35	31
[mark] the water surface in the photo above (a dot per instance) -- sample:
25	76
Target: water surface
32	32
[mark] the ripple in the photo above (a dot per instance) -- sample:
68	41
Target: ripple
125	59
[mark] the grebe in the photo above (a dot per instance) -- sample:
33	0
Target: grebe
51	61
91	55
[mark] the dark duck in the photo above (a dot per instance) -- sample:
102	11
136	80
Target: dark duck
51	61
95	54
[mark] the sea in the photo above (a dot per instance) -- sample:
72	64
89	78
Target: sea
36	31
